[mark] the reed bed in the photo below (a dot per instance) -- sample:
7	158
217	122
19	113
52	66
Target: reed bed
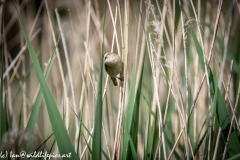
180	94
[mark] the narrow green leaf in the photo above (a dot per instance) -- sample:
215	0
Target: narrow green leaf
97	134
152	138
33	117
149	106
89	133
44	142
199	143
79	135
170	145
133	148
88	146
64	144
133	135
206	146
126	154
96	144
155	135
148	151
134	127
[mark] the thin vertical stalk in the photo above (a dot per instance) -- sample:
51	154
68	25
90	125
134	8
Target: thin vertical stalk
116	148
208	61
68	68
196	80
57	53
186	76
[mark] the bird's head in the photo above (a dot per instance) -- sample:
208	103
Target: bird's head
110	58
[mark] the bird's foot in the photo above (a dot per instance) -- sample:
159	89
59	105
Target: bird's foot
120	78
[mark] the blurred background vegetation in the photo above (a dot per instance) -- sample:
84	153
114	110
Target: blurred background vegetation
181	60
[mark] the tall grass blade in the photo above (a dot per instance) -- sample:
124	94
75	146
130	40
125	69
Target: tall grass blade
126	151
133	147
148	154
33	117
64	144
152	136
96	144
155	136
133	136
97	134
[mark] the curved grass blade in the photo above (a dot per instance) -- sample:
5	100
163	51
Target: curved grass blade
64	144
33	117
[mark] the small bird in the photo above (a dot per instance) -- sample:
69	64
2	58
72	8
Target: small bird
113	66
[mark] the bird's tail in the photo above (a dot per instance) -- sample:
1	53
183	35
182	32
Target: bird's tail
114	81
